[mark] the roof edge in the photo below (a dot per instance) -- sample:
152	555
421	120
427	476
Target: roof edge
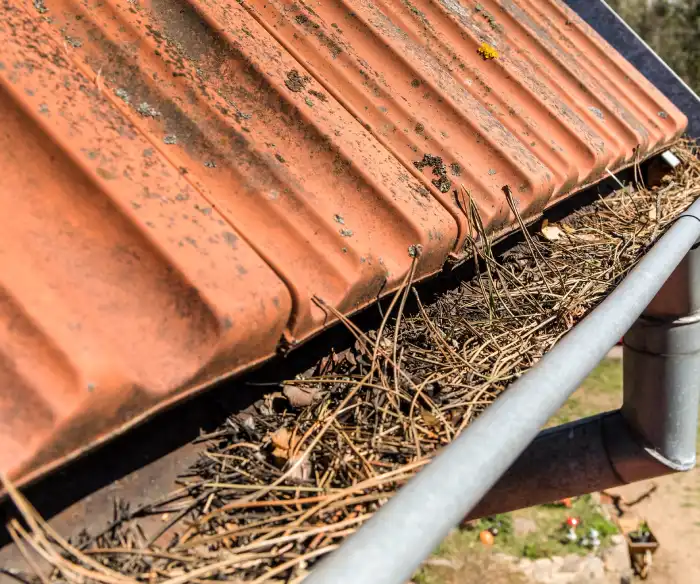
608	24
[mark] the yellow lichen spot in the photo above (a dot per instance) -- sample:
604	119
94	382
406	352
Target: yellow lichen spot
487	52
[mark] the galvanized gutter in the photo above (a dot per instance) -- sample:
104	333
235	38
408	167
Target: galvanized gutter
392	545
654	433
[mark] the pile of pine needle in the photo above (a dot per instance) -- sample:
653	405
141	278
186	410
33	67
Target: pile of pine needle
281	485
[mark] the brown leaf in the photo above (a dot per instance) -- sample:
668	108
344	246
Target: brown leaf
302	472
298	396
280	438
430	419
361	346
321	368
551	232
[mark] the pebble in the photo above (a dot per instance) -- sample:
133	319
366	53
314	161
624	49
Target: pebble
571	569
543	569
571	563
502	558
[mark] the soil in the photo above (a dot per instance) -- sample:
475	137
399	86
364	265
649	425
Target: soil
474	567
673	514
442	183
296	82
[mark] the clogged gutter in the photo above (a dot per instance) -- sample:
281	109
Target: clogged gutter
280	487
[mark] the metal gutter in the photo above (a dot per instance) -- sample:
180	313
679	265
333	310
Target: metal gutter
654	432
392	545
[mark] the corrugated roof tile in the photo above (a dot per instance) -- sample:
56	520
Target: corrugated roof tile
183	178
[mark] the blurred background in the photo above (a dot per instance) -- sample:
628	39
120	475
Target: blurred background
671	28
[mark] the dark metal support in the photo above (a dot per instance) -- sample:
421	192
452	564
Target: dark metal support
585	456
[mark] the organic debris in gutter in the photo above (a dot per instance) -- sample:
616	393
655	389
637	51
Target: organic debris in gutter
276	491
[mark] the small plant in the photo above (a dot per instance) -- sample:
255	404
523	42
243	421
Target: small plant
603	526
531	551
642	534
498	525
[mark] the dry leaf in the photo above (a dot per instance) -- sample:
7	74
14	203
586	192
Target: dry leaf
321	368
303	471
268	402
246	420
430	419
361	346
280	456
652	214
300	397
567	228
551	232
280	438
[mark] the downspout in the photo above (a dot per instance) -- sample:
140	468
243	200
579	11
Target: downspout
651	435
